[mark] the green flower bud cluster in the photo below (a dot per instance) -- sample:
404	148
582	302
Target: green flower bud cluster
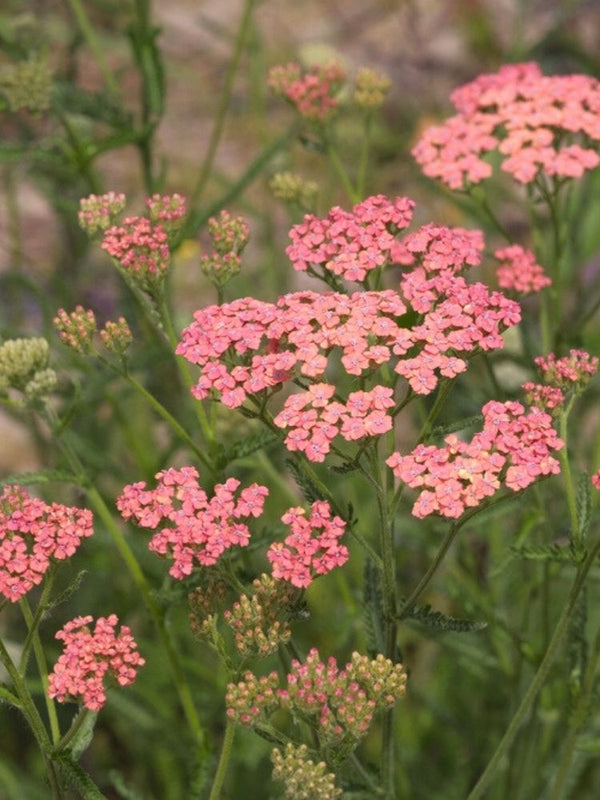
98	212
291	188
255	620
371	88
27	85
24	368
303	779
117	336
229	236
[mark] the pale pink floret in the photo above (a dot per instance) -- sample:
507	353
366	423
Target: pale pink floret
196	529
540	124
513	443
312	548
91	656
519	270
32	534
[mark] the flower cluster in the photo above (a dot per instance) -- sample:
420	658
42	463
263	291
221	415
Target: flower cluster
168	210
141	249
77	329
200	529
541	395
596	480
311	92
350	244
514	448
252	700
24	368
293	188
570	372
260	621
116	336
313	421
537	124
312	548
519	270
303	779
229	236
89	657
370	88
32	533
27	84
341	703
98	212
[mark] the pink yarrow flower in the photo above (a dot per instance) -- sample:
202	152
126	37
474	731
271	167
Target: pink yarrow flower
32	534
538	124
312	548
312	92
196	528
519	270
514	448
91	656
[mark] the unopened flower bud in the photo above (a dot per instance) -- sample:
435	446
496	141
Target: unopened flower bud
27	85
229	234
292	188
98	212
76	329
169	210
371	88
303	778
23	363
116	336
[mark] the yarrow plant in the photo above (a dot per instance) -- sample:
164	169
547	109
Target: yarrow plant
319	464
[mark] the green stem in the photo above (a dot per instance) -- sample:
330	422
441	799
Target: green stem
340	171
581	711
96	48
182	365
390	625
565	468
102	510
63	744
161	411
408	604
539	678
41	608
42	666
33	717
219	778
224	100
363	161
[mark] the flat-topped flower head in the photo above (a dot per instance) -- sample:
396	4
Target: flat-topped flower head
513	449
197	529
339	702
301	776
89	657
350	244
540	125
569	372
312	92
312	548
32	534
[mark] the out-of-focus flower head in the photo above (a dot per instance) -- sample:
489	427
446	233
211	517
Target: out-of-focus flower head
312	92
24	369
540	125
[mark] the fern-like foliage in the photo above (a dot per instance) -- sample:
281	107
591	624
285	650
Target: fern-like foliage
372	609
563	554
304	482
435	620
